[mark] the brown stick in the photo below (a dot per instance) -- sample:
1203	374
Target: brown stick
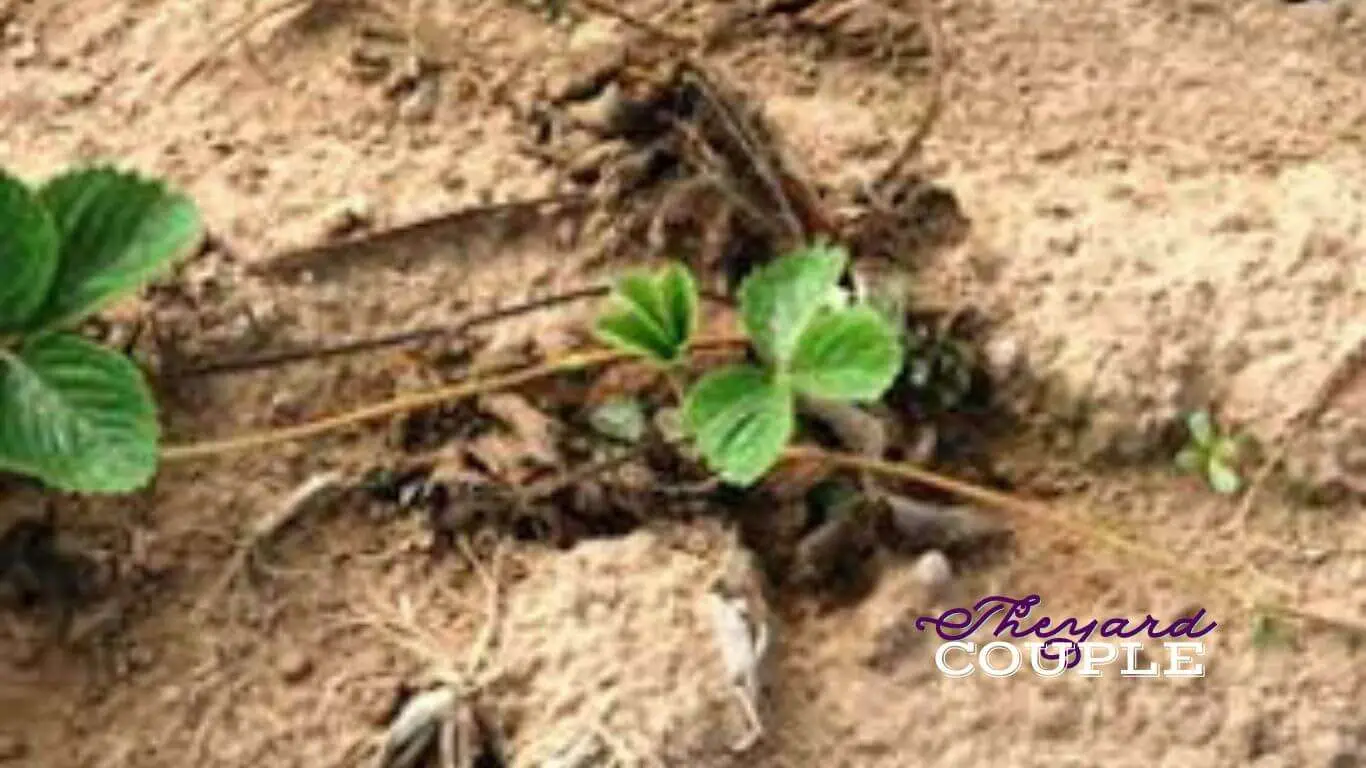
630	20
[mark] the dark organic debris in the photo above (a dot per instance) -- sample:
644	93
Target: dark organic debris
681	159
916	526
37	573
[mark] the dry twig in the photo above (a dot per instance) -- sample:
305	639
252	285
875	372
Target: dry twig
300	259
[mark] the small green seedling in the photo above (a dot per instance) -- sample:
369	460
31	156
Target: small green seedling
812	339
1268	632
1212	454
73	414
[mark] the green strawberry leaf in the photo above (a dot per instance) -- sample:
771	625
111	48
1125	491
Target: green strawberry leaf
779	299
1225	449
118	231
28	253
679	295
1190	459
653	316
637	292
1223	478
850	354
77	416
742	420
631	331
1201	427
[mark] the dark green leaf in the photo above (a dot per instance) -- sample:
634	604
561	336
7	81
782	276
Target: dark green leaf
117	231
28	253
742	420
779	299
76	415
849	354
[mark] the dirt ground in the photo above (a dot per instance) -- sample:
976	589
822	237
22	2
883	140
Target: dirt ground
1168	210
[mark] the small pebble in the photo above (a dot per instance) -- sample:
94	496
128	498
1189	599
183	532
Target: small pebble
25	51
420	104
934	572
1003	357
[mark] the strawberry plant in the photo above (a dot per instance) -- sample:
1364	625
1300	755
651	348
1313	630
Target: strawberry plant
73	414
1211	453
811	337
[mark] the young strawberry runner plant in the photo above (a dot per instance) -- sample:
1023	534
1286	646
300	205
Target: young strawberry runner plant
1212	453
812	340
73	414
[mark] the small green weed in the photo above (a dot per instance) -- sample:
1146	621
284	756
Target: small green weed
811	337
1212	454
73	414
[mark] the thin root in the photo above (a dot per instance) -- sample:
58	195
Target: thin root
490	576
267	528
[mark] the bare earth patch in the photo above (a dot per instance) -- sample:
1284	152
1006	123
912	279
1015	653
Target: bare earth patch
1167	211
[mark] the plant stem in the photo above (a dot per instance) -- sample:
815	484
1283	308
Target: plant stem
394	406
412	402
671	374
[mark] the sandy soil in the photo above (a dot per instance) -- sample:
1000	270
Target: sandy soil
1168	211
